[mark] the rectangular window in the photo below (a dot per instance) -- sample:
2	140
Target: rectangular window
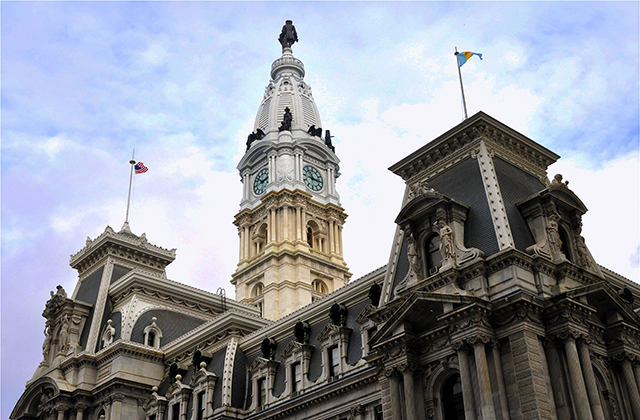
175	415
202	406
334	361
262	393
377	412
296	372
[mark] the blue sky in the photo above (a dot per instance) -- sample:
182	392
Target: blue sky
85	83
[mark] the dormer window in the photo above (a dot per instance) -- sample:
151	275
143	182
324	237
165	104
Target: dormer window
152	334
434	256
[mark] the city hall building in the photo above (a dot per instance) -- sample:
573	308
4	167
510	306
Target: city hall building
490	306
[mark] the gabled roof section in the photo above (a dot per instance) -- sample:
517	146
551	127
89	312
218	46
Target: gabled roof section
461	142
606	299
422	309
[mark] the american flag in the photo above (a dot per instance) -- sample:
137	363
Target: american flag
140	168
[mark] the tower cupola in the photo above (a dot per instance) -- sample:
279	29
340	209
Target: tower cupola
290	220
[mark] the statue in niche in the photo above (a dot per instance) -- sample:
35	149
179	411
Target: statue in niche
327	140
412	254
109	334
447	247
288	35
555	243
287	119
63	335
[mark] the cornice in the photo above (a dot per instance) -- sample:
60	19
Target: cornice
459	143
117	239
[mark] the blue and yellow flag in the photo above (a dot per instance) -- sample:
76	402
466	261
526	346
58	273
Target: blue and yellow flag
465	55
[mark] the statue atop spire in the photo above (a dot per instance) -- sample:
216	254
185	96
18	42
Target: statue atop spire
288	35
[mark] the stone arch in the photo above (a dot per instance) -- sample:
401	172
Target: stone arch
314	237
35	398
320	286
257	290
431	254
433	388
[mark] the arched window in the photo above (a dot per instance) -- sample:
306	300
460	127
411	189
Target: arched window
151	338
434	257
565	248
152	334
452	406
310	236
320	286
257	290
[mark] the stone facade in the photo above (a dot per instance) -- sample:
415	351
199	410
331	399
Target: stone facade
490	307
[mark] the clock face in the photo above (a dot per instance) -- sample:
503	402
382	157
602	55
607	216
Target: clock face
312	178
262	179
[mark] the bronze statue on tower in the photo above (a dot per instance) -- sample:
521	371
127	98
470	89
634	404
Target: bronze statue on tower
288	35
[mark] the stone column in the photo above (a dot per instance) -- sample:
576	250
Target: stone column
60	409
116	406
332	247
577	380
298	224
465	378
394	385
409	392
632	387
502	389
484	381
590	381
285	222
80	411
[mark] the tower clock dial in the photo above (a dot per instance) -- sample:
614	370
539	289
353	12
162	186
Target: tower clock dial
262	179
312	178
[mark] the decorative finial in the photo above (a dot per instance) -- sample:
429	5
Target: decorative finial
288	35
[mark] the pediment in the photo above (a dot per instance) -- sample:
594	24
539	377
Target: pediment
331	330
261	363
202	375
424	202
364	315
422	310
562	193
606	300
294	347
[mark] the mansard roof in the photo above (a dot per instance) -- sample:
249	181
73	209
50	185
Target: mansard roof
461	140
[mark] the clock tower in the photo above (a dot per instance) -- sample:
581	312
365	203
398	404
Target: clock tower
290	220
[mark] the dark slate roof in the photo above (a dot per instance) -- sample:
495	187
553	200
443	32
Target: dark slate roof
172	324
118	272
216	365
239	379
402	268
463	182
88	293
105	314
516	185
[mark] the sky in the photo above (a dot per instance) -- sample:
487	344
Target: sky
85	83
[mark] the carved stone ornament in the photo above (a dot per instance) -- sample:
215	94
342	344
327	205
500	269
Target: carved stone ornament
418	189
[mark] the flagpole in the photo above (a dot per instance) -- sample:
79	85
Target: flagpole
132	162
464	102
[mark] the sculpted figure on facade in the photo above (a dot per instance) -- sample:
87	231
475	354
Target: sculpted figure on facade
412	255
447	247
46	346
553	235
63	335
287	119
